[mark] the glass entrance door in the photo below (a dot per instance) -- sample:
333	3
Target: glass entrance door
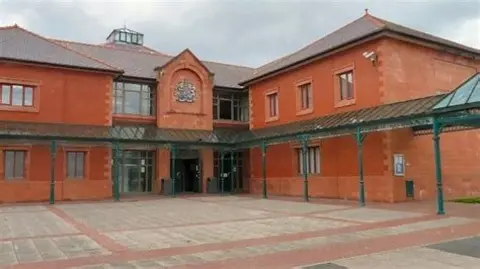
137	171
232	171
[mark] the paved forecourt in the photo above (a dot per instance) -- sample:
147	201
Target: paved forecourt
223	232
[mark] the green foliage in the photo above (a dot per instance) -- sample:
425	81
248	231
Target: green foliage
468	200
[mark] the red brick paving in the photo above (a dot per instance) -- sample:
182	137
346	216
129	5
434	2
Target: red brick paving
101	239
277	260
291	259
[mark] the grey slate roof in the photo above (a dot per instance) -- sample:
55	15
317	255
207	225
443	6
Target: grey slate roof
141	63
345	122
361	28
21	45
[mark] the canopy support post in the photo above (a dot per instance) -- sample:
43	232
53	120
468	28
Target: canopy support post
173	153
53	152
304	140
264	169
232	172
360	137
437	130
222	170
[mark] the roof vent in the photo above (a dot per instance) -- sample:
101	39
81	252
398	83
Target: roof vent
125	36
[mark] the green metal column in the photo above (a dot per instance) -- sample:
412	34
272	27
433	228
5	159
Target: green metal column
305	171
264	169
173	152
232	173
53	152
360	137
437	129
116	183
222	179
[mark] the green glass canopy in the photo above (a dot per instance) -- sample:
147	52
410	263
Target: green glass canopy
466	95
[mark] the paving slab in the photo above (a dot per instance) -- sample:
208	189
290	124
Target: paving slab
297	245
369	215
159	213
225	198
202	231
286	206
26	208
221	232
48	249
31	224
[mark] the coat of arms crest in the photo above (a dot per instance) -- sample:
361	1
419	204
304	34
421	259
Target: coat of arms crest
185	92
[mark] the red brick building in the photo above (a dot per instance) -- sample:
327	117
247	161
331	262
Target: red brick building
128	118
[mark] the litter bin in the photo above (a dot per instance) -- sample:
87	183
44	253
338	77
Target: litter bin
212	185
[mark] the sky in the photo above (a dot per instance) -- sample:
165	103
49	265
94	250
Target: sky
243	32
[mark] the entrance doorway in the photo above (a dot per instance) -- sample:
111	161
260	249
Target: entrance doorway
187	171
137	171
232	171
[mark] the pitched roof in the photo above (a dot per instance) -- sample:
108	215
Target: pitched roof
18	44
141	63
357	30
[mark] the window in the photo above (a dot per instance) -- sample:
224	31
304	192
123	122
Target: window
134	38
75	164
16	95
15	164
346	86
135	99
272	105
305	96
399	164
230	107
313	160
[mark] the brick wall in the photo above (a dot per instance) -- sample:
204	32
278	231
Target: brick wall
339	169
411	71
60	96
339	166
404	71
182	115
323	78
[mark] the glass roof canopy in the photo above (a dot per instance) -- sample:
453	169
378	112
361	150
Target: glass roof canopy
465	96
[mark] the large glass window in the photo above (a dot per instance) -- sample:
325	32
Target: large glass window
230	107
134	99
313	160
272	105
346	86
14	164
75	164
137	170
16	95
231	174
305	96
126	36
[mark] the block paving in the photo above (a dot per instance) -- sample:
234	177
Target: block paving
234	232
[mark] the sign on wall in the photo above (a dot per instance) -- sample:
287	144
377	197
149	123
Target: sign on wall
399	164
185	92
